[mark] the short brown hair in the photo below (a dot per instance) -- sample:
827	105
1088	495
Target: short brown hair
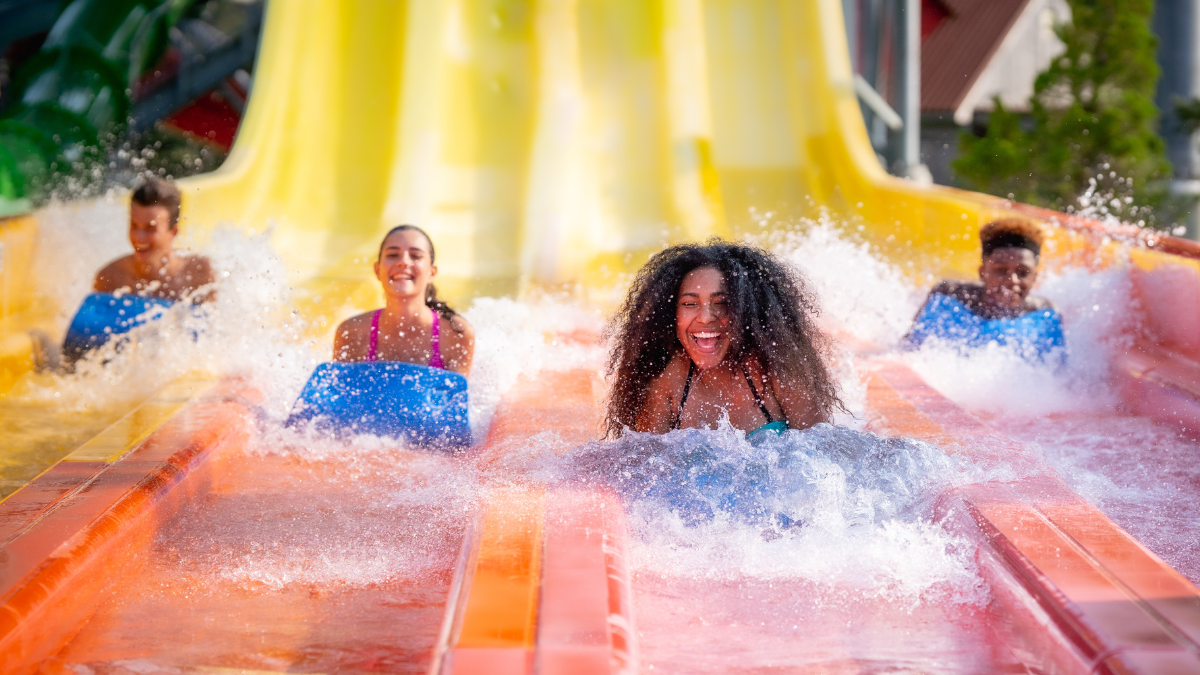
1011	233
159	192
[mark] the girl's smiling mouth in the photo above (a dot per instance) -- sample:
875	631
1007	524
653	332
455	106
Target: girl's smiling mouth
706	341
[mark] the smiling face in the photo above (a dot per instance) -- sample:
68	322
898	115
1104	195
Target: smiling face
405	265
1008	275
150	232
702	317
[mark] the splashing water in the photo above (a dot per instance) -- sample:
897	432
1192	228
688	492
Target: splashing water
1134	469
814	521
843	509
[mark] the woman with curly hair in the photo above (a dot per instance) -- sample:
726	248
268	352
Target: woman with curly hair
714	330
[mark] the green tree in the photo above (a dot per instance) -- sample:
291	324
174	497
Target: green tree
1188	112
1094	122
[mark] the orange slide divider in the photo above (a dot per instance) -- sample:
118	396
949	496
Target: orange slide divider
70	534
1158	375
1076	591
542	585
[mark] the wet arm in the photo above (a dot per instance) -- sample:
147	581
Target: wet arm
658	411
460	347
342	343
798	406
203	277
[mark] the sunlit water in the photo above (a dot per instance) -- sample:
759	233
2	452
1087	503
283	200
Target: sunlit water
818	547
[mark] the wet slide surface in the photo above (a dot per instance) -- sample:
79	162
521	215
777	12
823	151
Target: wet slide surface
329	557
1140	472
291	563
280	554
797	626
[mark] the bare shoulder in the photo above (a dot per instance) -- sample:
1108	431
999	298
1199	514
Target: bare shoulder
115	275
459	327
671	380
957	289
355	324
350	339
457	338
1037	303
199	269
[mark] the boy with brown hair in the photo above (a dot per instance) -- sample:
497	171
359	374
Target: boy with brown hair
155	268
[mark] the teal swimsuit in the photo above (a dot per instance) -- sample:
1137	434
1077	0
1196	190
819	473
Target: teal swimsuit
772	426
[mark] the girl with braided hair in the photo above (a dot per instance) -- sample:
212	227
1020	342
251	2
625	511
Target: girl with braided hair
414	326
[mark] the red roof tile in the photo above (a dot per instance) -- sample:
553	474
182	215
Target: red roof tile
955	53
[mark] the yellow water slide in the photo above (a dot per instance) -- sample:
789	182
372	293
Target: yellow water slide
556	143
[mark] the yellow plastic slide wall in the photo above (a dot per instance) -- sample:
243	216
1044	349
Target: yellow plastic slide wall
557	142
550	144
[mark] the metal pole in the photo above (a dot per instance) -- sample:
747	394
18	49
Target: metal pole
1177	25
910	111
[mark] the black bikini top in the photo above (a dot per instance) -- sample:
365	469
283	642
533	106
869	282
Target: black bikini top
687	387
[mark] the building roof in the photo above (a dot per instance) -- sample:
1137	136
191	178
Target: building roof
960	46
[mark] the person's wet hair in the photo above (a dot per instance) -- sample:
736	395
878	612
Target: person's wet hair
158	192
431	298
768	300
1010	233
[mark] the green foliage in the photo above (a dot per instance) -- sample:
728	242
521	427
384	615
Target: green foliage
1094	122
1188	112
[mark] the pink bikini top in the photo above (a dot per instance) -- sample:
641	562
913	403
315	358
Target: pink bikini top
435	356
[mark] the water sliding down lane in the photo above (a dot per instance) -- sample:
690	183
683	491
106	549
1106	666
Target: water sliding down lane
549	147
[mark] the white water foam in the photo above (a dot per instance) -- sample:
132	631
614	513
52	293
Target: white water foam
875	302
845	510
1139	472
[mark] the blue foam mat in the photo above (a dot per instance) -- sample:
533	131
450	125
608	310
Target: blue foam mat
1035	335
103	316
425	406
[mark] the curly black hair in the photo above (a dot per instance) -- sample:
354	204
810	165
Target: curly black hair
767	298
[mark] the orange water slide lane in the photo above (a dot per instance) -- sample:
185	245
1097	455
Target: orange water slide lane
1102	602
543	583
544	586
69	536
